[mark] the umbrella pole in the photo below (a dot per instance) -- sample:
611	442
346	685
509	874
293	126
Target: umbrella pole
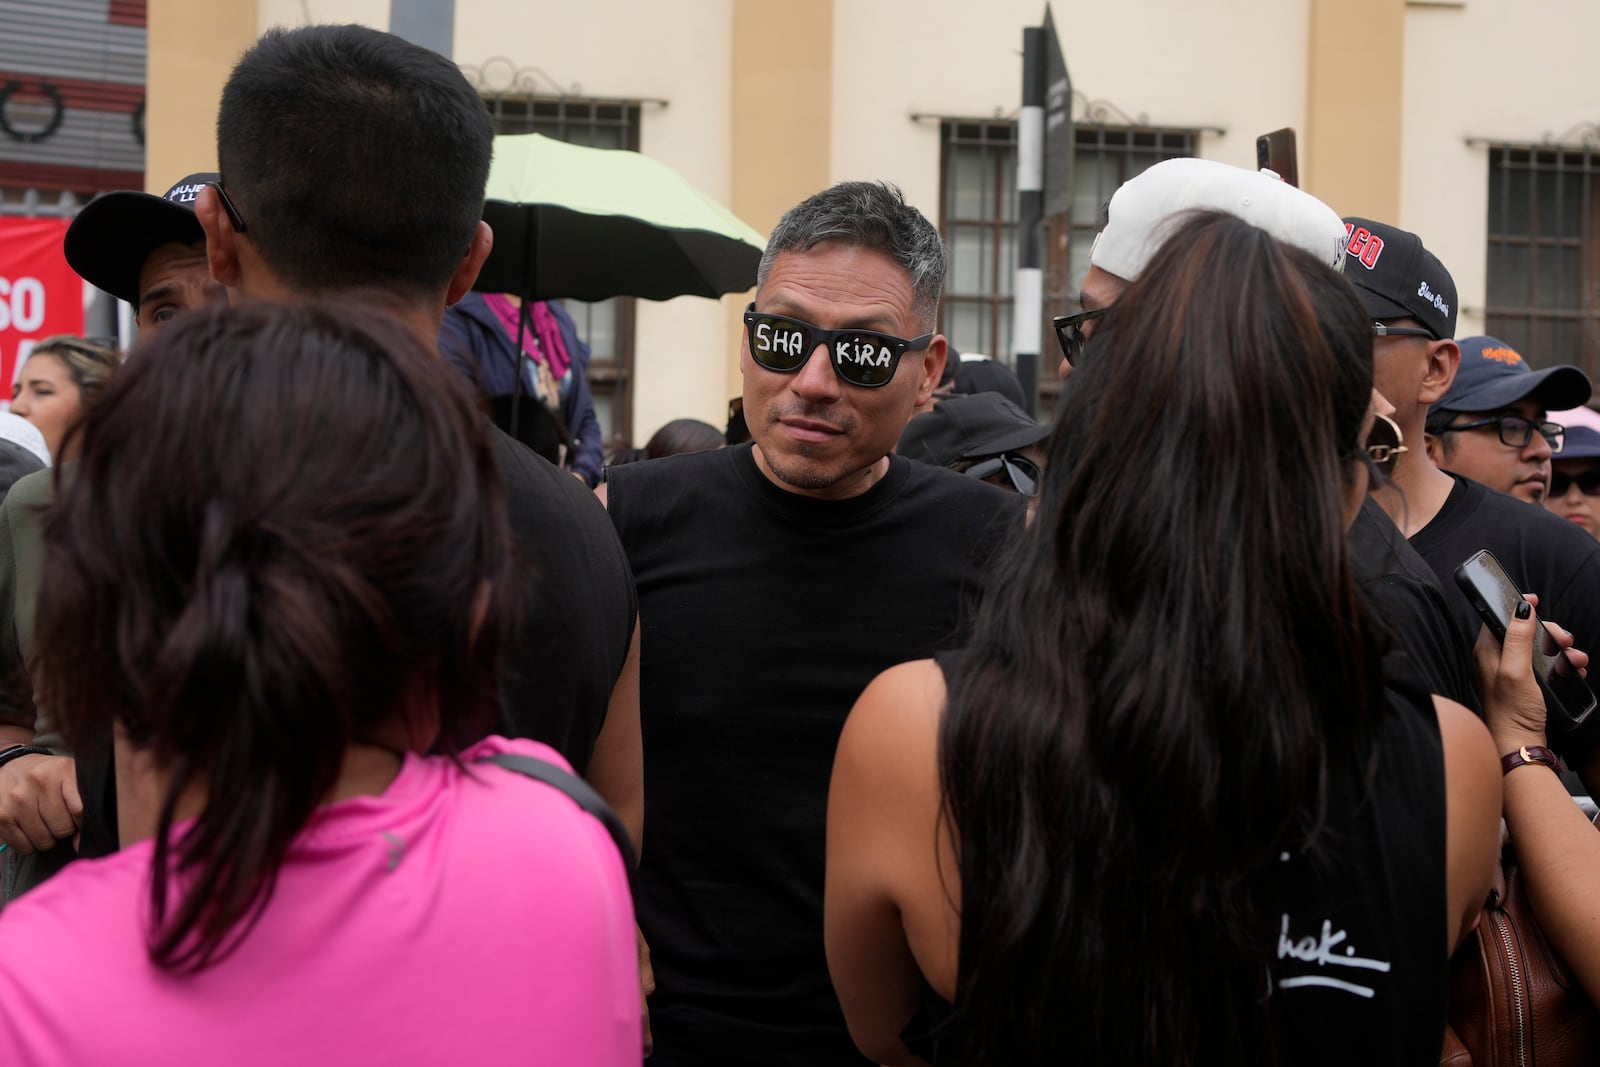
523	315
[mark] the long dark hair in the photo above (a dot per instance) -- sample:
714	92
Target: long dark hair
1172	659
284	535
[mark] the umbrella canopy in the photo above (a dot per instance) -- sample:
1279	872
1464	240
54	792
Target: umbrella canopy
592	223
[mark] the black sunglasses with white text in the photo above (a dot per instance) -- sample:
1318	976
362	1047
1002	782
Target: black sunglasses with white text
861	357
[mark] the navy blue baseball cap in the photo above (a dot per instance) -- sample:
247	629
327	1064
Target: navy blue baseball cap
1493	375
1582	442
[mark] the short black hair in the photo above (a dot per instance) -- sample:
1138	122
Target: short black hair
355	158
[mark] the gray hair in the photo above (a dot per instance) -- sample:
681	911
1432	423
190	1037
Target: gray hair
871	215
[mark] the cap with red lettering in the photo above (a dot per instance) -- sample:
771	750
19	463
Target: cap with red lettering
1397	278
115	233
1493	375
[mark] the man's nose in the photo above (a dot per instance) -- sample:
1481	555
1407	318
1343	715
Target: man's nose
1538	449
816	378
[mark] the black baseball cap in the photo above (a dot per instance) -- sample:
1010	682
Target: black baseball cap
1493	375
969	426
1397	278
115	233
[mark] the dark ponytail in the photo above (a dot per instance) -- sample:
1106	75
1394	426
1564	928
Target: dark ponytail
273	547
1171	661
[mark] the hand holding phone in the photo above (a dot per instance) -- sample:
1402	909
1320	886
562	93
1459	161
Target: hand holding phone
1567	697
1276	152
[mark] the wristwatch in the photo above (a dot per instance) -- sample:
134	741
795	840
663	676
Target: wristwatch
15	751
1509	762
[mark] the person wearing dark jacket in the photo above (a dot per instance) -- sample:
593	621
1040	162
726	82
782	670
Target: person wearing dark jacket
478	337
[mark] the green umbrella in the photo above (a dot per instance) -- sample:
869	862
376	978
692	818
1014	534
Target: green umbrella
592	223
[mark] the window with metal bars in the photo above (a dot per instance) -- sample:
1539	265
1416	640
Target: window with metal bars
1544	253
979	219
608	325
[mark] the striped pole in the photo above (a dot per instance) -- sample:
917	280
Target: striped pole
1027	294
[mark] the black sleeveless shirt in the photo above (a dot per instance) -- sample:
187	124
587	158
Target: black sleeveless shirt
1360	971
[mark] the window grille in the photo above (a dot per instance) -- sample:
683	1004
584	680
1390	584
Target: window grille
1543	295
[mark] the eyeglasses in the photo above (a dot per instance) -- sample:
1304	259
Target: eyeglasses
1385	330
1385	444
1023	472
1516	431
227	205
1070	334
1588	483
861	357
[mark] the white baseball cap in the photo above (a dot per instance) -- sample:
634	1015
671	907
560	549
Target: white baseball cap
1148	206
20	431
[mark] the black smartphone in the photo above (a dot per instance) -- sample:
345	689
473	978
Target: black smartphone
1567	697
1276	152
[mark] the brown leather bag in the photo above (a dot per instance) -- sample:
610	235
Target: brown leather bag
1513	1002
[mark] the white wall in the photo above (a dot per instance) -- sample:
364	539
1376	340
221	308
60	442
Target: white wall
374	13
1510	71
1236	64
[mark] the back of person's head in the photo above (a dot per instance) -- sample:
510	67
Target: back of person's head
870	215
284	536
90	363
682	435
356	159
1169	664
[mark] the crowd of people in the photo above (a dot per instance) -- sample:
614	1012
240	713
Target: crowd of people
333	716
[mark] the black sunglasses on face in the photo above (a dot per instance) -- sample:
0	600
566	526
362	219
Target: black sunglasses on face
1385	444
1516	431
234	217
861	357
1023	472
1069	332
1588	483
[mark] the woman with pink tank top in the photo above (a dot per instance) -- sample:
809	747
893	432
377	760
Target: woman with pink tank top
276	577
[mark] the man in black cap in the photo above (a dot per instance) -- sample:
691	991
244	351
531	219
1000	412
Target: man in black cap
983	435
147	250
1491	425
1447	517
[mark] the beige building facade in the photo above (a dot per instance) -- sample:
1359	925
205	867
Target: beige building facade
1416	113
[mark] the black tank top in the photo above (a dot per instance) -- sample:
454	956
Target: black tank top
1361	968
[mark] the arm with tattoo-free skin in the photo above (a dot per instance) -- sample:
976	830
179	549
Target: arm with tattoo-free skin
1557	847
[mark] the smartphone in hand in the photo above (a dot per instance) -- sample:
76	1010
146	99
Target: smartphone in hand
1568	700
1276	152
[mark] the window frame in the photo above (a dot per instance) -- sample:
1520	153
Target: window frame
1520	322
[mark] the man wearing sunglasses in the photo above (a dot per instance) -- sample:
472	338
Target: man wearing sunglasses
1144	209
1491	426
1575	480
775	580
1446	515
1137	218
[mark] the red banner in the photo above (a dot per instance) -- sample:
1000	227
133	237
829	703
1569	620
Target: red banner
40	295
